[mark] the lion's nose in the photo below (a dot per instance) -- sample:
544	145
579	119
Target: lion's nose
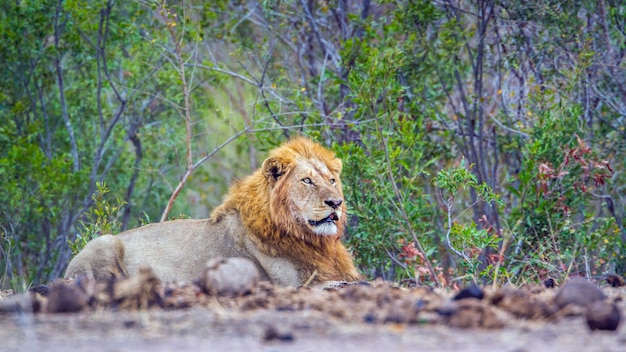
334	203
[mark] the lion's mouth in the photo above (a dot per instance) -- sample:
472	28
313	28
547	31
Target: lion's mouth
330	218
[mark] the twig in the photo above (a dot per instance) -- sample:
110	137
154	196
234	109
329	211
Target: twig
218	148
448	205
193	167
394	259
310	279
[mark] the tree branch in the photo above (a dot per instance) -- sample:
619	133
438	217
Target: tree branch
193	167
59	72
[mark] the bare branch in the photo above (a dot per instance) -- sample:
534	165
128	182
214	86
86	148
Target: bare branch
193	167
448	205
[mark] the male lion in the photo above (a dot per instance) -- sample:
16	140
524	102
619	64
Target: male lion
287	217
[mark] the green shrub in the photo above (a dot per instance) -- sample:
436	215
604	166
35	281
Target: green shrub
101	219
561	230
471	244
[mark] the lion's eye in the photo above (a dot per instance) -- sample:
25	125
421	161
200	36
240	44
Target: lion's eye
332	181
307	181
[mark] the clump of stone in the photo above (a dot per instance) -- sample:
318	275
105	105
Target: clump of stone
599	311
229	276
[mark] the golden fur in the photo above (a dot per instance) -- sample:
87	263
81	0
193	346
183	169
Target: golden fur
287	217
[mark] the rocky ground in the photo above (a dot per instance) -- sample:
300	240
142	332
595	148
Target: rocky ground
139	313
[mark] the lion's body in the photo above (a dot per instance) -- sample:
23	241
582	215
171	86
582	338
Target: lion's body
287	217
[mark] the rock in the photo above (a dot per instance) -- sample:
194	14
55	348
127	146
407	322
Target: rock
138	291
549	283
183	295
446	308
472	291
401	312
603	315
6	293
578	291
229	277
20	303
521	303
272	333
615	280
41	289
334	285
64	297
471	313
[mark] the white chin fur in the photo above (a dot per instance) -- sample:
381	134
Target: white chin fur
326	229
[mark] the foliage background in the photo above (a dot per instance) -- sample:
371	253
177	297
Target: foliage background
482	140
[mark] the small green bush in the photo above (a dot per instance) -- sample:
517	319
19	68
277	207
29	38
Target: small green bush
101	219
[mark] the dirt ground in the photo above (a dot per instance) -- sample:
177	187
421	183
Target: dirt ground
200	329
366	317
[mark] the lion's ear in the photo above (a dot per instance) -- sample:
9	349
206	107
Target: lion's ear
338	165
273	168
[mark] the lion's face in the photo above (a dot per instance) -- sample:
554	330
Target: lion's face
307	195
315	196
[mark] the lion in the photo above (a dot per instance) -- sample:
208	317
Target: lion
287	217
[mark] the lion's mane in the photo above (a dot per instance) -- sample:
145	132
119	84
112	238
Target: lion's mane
271	226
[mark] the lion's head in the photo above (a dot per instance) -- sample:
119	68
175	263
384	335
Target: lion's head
293	207
297	192
305	189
